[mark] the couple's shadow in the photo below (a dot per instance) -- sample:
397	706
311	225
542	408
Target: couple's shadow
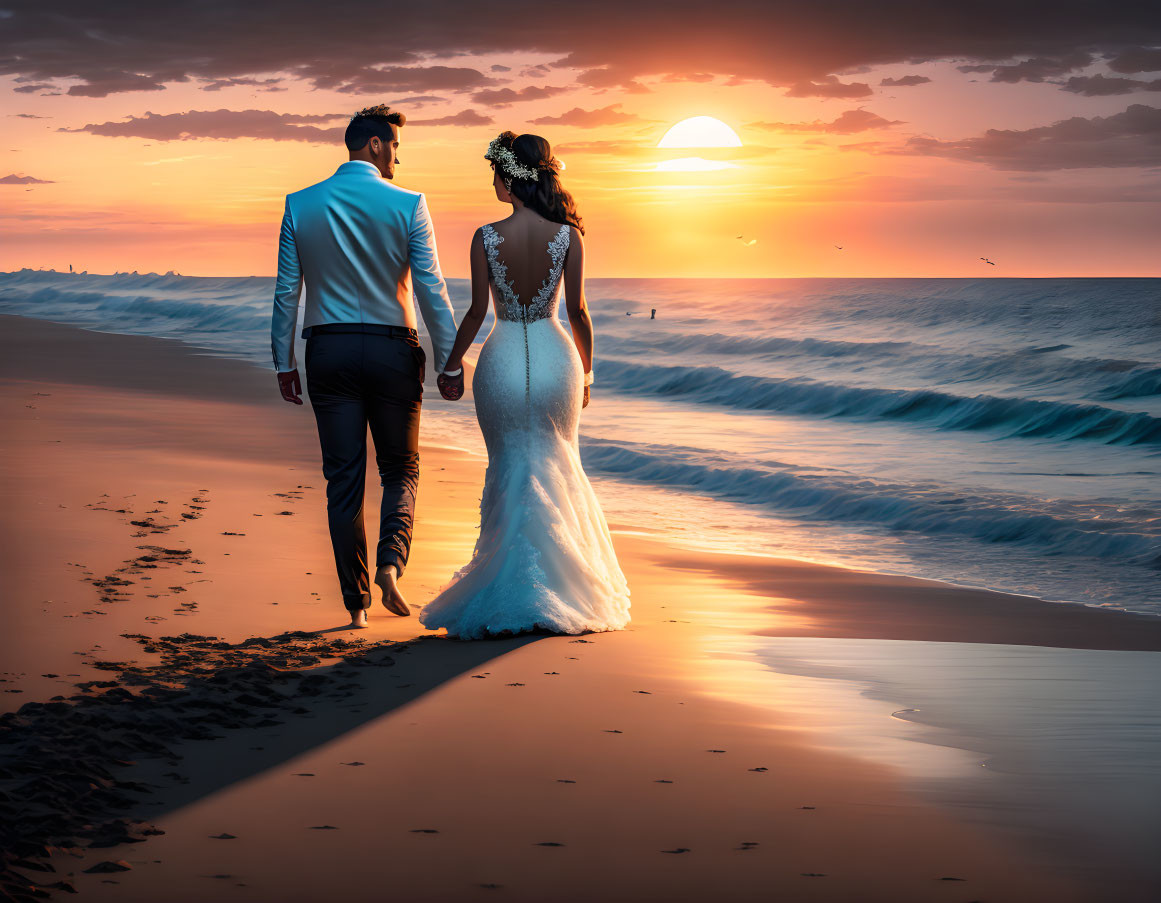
313	706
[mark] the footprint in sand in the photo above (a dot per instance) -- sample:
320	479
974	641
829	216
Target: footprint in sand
119	865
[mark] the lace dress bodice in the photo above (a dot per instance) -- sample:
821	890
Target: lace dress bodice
508	304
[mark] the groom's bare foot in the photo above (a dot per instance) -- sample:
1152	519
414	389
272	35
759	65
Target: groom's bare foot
359	618
392	599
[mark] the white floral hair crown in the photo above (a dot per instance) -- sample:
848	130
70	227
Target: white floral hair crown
506	160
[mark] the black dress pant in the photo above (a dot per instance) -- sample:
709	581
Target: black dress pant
358	378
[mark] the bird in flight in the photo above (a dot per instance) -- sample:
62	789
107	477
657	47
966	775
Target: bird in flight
750	243
840	247
985	260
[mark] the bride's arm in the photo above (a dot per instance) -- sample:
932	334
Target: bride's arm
474	318
574	297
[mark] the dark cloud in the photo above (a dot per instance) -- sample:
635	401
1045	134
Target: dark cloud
356	79
266	84
24	180
1103	86
848	122
122	82
463	117
498	68
28	116
906	81
222	124
505	97
829	87
1137	59
1037	69
45	87
119	45
590	119
1131	138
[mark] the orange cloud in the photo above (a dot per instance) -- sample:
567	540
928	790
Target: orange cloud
590	119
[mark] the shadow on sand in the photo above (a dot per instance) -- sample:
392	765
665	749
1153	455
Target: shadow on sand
93	769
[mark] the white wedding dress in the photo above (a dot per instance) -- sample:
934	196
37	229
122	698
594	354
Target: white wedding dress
544	558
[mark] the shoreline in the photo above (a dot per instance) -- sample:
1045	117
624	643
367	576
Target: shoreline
138	429
233	379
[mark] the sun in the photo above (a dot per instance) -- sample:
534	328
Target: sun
700	131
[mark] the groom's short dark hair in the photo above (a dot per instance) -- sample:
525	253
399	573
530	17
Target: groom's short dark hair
372	122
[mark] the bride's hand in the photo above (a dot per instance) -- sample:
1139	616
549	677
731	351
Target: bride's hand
585	400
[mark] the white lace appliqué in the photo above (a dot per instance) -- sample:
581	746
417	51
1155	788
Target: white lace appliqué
508	304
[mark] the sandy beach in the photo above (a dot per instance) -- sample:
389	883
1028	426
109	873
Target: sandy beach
188	719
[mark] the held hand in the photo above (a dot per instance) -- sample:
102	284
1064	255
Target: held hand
451	387
585	399
290	387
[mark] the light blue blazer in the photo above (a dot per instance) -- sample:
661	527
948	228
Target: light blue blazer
359	243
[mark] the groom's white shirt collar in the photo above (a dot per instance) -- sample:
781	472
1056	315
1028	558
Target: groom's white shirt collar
354	166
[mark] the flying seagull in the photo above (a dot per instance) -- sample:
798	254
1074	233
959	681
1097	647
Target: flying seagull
985	260
750	243
840	247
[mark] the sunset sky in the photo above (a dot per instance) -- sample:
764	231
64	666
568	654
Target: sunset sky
918	137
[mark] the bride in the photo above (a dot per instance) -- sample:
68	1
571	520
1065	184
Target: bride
544	559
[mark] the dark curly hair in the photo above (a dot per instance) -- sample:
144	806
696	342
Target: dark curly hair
372	122
547	196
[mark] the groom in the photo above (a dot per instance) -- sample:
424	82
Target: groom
360	244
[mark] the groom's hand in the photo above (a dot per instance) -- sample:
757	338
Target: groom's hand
290	387
451	387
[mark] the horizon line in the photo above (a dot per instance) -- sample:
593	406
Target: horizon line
172	273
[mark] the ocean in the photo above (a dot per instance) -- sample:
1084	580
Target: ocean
1003	433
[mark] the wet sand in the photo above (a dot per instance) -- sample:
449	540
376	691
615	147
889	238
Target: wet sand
154	492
